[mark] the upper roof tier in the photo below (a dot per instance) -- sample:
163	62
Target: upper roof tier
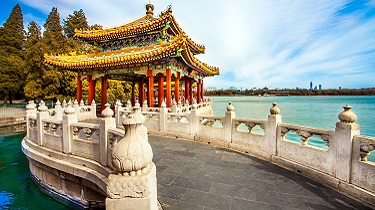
143	25
178	46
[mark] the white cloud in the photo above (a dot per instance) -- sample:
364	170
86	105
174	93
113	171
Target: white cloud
259	43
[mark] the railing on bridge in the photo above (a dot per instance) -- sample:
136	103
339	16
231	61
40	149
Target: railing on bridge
341	164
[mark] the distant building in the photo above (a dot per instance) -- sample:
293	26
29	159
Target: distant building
315	88
311	85
320	87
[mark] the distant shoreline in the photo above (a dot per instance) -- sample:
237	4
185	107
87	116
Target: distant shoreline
293	92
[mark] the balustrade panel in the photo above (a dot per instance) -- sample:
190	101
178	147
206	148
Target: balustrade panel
86	140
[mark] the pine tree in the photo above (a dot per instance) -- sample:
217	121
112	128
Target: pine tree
76	21
34	58
54	43
53	37
12	45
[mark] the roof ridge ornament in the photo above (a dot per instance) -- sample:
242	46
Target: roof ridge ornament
150	10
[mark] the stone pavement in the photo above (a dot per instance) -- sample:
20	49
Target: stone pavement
193	175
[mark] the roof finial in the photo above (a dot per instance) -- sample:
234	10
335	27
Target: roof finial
149	9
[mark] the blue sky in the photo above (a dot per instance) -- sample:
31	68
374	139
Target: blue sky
255	43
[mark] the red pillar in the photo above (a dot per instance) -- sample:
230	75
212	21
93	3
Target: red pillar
168	89
160	89
79	89
141	90
187	91
199	91
104	92
150	89
91	89
191	92
177	88
202	90
133	93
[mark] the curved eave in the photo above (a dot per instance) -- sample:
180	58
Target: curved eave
196	64
117	58
132	56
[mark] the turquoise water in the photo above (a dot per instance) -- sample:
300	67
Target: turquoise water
17	190
313	111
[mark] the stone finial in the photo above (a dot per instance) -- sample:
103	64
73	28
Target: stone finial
230	107
128	103
31	105
163	104
347	116
58	104
194	105
137	104
64	103
82	103
144	103
75	102
69	110
274	109
107	112
133	152
42	107
118	103
93	102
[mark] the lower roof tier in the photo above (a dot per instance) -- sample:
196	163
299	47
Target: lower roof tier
177	48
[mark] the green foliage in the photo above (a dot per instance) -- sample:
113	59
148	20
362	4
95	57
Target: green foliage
13	34
22	59
53	38
34	62
12	46
76	21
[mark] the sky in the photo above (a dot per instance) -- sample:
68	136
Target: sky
255	43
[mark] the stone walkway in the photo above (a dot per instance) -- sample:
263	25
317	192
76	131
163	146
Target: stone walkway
193	175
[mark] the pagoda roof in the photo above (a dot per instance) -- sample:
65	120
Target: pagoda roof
178	46
145	24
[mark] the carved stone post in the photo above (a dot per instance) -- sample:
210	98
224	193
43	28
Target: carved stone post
134	185
30	111
76	107
105	123
194	120
344	133
69	117
163	116
270	134
41	115
144	106
118	108
174	107
58	110
93	109
229	115
128	106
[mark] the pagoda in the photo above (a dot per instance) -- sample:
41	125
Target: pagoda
147	51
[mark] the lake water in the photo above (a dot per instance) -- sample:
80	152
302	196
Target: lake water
313	111
17	190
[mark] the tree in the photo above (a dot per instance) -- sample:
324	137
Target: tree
76	21
54	43
53	37
34	58
12	45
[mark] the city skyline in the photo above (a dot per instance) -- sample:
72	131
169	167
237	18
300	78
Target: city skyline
279	44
